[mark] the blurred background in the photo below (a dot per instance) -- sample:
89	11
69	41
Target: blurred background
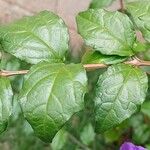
78	134
67	9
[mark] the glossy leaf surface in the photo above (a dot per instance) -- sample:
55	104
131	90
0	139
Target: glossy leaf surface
51	94
119	92
110	33
96	57
140	12
36	38
5	103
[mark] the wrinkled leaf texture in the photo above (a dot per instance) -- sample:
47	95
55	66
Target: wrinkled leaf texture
43	36
119	92
51	94
111	33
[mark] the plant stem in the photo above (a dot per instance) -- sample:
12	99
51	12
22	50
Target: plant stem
94	66
6	73
135	62
122	5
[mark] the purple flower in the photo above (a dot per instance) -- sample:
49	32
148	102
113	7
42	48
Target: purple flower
130	146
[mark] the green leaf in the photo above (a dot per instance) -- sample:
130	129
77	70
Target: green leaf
140	12
146	108
110	33
5	103
115	134
147	55
112	136
96	57
87	135
139	47
119	92
100	3
51	94
10	62
36	38
59	140
148	146
141	134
